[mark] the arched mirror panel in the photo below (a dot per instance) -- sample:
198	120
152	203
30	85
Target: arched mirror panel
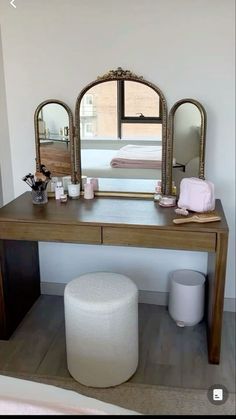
120	121
55	139
187	132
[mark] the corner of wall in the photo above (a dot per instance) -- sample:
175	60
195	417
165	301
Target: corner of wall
6	175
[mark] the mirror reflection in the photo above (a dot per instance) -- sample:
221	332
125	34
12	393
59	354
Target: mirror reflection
187	128
54	139
121	138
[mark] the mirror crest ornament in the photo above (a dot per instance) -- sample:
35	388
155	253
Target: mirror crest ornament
119	73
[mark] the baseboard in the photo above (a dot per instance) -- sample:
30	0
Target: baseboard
230	304
153	297
148	297
52	288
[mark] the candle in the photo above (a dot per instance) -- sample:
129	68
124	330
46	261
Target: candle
74	190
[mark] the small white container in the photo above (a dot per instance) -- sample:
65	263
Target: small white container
74	190
186	298
53	183
167	201
63	198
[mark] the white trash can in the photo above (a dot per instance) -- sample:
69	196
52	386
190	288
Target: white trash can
186	297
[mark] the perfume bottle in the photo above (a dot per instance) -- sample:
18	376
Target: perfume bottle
53	183
59	190
158	193
66	131
174	189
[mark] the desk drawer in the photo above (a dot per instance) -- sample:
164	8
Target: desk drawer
50	232
165	239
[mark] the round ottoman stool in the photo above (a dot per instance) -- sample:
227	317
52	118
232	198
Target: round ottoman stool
101	322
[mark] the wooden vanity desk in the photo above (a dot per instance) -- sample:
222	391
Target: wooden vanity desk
108	221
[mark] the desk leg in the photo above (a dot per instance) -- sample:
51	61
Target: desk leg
19	282
215	298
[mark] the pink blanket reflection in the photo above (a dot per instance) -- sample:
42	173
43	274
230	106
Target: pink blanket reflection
135	156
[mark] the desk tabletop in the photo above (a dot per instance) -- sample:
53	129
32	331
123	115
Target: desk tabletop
103	211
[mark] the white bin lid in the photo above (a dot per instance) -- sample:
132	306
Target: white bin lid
187	277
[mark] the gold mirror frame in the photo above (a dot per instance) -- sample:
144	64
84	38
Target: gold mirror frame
126	75
74	174
167	133
170	138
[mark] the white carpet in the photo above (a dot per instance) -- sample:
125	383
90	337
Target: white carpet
146	399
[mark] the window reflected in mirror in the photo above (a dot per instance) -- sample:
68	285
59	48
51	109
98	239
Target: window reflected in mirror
140	100
121	135
98	112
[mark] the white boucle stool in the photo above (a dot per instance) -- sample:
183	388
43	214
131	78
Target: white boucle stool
101	321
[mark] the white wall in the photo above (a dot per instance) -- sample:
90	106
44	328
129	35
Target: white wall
52	48
6	187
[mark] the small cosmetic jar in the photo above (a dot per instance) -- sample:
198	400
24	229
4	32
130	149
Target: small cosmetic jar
167	201
63	198
74	190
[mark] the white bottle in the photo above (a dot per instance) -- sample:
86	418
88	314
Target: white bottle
53	183
59	190
158	193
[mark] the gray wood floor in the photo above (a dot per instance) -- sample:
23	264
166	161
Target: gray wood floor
169	355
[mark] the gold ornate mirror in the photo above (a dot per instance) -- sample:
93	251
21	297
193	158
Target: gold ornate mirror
120	137
121	126
186	142
54	137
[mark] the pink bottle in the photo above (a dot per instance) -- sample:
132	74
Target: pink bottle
88	191
94	182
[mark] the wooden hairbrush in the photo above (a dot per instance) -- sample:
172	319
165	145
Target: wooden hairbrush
203	217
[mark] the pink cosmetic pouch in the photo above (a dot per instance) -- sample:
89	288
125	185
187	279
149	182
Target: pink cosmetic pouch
196	195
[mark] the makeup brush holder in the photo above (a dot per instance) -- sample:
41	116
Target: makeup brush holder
39	197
